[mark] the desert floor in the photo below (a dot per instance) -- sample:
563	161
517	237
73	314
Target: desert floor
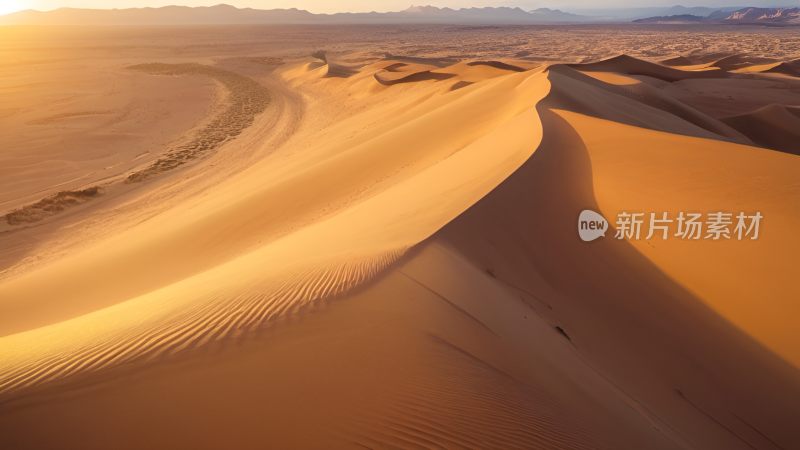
336	237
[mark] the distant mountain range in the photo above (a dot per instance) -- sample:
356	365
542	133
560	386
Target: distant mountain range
230	15
227	15
631	13
761	16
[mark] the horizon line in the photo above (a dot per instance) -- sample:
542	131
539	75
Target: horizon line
411	5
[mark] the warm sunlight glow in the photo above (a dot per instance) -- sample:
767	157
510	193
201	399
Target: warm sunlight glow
10	6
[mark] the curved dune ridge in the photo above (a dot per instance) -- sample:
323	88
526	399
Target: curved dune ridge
635	103
790	68
677	61
739	61
403	271
412	77
332	69
108	260
497	65
774	126
634	66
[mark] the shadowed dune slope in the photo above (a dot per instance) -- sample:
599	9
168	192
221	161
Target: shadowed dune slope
414	77
739	61
786	68
775	126
437	62
642	316
634	66
635	103
497	65
677	61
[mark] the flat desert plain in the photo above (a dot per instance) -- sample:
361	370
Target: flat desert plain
348	237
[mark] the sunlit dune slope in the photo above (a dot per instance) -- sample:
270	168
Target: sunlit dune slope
404	271
325	220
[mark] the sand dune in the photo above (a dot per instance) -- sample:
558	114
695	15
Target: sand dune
497	65
180	231
332	69
433	61
791	68
635	103
740	61
633	66
380	251
677	61
658	340
412	77
737	63
775	126
787	68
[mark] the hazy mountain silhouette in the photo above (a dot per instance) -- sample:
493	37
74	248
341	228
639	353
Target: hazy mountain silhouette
226	15
749	15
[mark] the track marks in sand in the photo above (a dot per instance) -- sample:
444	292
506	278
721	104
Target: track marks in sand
180	325
52	205
247	99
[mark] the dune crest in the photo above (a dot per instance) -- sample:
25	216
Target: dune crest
92	297
633	66
774	126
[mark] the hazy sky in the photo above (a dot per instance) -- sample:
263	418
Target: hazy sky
378	5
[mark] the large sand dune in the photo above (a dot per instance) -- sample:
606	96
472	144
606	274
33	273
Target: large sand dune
358	249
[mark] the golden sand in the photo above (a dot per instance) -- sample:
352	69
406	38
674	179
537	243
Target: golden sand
291	248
